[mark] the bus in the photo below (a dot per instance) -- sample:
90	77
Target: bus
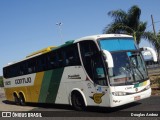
106	70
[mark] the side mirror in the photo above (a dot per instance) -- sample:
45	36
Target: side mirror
152	52
108	58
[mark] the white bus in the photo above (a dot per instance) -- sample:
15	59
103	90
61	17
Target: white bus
105	70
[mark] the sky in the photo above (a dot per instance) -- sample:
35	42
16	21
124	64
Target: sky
30	25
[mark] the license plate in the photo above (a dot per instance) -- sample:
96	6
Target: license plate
137	98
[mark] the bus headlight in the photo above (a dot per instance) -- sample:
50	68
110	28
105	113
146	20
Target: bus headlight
119	93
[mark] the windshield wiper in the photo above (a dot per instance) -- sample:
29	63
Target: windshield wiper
139	72
127	71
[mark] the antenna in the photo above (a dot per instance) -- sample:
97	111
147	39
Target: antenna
60	30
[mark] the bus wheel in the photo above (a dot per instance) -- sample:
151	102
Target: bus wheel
22	100
77	101
16	99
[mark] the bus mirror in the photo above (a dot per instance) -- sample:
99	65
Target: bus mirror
108	58
149	51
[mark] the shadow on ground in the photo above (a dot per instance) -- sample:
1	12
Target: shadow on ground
60	107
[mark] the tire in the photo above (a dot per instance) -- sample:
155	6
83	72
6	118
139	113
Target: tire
22	100
78	102
16	99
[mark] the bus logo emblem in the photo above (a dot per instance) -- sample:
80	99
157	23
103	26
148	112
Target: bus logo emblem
97	97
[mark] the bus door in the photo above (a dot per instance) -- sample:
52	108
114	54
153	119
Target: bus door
94	67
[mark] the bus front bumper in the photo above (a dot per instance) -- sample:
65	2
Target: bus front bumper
121	100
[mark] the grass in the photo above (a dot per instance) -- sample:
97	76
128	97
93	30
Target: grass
155	84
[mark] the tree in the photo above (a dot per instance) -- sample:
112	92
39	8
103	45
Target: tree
127	23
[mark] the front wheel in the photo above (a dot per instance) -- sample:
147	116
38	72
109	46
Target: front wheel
77	101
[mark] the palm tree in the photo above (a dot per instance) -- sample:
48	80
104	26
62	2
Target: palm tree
127	23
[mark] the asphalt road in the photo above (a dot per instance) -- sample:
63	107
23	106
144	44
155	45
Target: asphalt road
150	106
126	112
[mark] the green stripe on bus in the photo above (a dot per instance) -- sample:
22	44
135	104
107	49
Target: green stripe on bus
54	85
45	85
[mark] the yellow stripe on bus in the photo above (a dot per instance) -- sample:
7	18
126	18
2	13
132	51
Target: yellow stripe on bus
31	93
35	90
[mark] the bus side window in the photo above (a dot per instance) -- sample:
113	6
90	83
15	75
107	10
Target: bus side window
61	58
41	63
25	66
7	72
14	70
69	56
4	73
21	69
32	66
72	56
52	60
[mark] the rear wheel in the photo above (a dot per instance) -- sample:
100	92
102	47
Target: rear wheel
77	101
22	100
16	99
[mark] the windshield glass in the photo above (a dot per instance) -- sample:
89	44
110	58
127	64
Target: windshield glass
129	67
116	44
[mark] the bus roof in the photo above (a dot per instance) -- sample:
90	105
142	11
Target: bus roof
95	37
34	54
42	51
50	48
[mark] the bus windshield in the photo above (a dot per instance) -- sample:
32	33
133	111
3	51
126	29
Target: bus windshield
129	67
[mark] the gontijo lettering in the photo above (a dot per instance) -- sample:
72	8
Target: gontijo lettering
23	80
